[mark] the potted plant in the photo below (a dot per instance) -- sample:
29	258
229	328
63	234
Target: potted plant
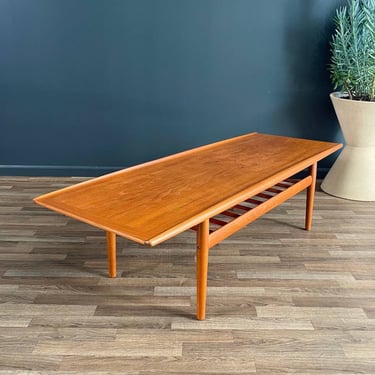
352	69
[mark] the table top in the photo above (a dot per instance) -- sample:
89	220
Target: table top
152	202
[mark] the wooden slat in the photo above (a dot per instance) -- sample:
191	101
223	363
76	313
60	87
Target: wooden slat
253	201
242	207
284	184
274	190
265	195
218	222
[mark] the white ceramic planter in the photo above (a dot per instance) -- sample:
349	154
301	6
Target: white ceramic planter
352	176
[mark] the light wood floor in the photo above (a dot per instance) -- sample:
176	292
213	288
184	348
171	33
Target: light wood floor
280	299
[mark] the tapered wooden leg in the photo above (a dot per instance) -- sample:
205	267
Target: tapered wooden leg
310	197
202	268
111	253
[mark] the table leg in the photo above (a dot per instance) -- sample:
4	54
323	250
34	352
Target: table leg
310	197
111	253
202	268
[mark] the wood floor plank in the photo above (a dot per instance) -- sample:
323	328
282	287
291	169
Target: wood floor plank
162	365
57	372
137	321
262	348
25	362
14	321
108	300
125	345
343	324
211	291
242	323
284	364
309	312
18	309
295	275
334	301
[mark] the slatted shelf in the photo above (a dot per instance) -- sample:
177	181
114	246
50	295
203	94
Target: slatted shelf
230	215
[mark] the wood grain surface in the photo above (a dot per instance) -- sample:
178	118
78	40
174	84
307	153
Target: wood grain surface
281	300
152	202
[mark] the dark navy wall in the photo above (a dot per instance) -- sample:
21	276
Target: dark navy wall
91	85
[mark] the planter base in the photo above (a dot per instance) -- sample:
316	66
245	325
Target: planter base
352	176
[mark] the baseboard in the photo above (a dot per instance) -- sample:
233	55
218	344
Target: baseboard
55	171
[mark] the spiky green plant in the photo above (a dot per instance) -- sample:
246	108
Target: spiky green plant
353	50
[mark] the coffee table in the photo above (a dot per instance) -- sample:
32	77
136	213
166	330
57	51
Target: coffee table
215	190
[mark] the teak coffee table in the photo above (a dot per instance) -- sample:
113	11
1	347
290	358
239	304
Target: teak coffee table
215	190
